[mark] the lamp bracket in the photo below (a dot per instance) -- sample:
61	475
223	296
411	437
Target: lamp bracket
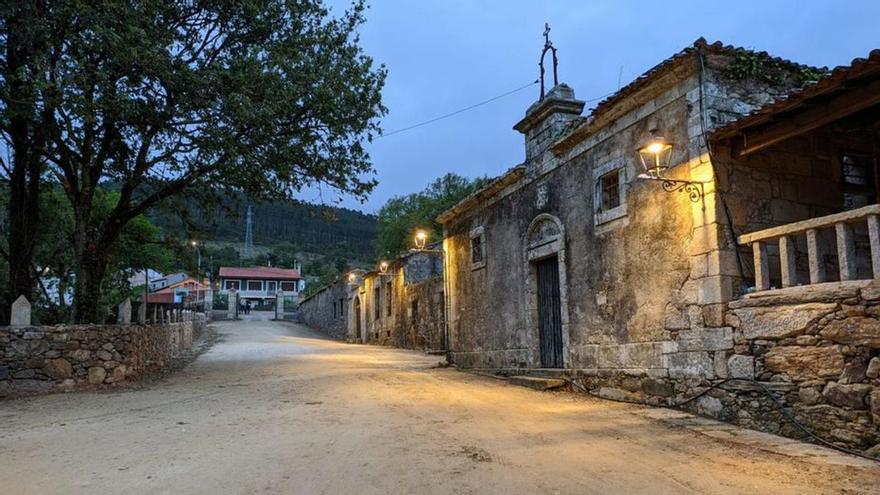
694	189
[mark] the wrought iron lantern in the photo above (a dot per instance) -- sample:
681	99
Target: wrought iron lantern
383	267
421	239
656	156
352	278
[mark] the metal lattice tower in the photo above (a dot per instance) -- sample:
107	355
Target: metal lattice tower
248	251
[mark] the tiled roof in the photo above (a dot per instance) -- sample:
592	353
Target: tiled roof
662	68
837	80
260	272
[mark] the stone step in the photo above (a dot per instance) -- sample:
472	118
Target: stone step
537	383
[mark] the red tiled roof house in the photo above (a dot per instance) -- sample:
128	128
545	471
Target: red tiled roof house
261	282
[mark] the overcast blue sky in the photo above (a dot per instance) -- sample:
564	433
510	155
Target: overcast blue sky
445	55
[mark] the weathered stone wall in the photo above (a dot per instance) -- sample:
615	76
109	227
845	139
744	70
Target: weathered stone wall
628	280
330	310
645	287
815	349
415	317
65	357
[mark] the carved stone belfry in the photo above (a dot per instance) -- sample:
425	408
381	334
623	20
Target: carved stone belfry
546	117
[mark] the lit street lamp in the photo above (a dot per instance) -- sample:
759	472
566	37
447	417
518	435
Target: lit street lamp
421	239
383	267
656	156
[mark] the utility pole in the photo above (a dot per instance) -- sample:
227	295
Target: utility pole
248	250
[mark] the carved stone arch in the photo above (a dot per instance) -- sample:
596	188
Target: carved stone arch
545	236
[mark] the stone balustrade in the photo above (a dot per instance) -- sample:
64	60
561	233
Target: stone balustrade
842	223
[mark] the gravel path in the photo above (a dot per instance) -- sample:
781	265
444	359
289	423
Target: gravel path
275	408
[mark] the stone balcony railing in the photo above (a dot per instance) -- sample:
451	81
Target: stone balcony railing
842	223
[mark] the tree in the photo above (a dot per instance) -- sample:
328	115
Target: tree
24	41
401	216
167	98
140	246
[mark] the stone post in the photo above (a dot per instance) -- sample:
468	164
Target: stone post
209	303
232	304
279	305
21	312
123	316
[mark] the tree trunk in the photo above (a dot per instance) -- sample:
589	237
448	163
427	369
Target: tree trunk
87	289
27	140
91	244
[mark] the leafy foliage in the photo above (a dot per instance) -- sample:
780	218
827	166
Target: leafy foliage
761	66
178	97
141	244
401	216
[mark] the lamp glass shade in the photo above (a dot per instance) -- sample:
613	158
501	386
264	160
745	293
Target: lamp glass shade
655	156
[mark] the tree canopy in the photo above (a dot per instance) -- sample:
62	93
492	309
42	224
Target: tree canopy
401	216
180	97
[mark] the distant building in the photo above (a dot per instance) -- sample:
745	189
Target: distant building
166	281
186	290
401	306
261	282
139	278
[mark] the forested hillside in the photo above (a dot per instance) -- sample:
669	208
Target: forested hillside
310	228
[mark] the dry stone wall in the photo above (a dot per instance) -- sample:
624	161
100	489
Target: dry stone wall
37	359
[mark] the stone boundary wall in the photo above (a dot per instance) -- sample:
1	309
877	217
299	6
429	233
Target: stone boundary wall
42	359
318	312
815	348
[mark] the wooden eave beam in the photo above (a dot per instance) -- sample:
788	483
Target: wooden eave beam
817	116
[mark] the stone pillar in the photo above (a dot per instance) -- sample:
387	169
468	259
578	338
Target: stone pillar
209	303
232	305
123	316
279	305
21	312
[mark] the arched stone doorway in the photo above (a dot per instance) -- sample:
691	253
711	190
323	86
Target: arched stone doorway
547	298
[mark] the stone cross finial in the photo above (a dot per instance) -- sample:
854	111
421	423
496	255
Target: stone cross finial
21	312
547	34
123	316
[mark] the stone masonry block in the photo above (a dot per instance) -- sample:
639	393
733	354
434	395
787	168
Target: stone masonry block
691	365
706	339
779	322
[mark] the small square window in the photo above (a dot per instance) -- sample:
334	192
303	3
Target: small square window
477	249
609	189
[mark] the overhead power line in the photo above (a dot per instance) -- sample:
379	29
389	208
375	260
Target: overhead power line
475	105
465	109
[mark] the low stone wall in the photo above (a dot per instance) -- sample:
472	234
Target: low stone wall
38	359
815	349
329	311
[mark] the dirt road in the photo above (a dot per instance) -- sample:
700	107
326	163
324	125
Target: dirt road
277	409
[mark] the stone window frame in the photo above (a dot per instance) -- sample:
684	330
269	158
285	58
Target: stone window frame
600	216
475	233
